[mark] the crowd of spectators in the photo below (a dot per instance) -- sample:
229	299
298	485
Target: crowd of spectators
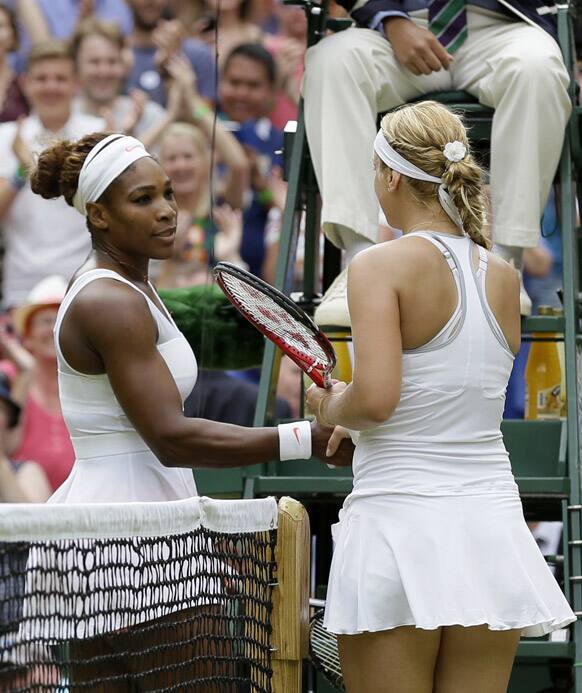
178	75
160	70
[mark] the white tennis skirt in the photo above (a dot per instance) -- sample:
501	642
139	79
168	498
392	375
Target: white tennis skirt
433	561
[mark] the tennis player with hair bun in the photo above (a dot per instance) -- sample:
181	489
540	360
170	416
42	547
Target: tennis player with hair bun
435	574
124	367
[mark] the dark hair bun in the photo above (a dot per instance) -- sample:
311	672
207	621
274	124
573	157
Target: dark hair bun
58	167
45	180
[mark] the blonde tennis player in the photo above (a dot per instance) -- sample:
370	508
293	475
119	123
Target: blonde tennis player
435	575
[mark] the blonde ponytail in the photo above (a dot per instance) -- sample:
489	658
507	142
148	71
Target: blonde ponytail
419	132
463	181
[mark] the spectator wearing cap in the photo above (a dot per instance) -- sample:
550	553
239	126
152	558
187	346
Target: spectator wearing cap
41	236
97	48
42	435
20	482
154	41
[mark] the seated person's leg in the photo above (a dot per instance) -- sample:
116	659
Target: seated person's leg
351	77
518	70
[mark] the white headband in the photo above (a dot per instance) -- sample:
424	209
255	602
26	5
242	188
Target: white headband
107	160
398	163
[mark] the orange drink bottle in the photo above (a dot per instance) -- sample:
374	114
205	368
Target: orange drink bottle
559	313
543	376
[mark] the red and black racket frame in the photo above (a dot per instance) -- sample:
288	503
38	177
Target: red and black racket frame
319	373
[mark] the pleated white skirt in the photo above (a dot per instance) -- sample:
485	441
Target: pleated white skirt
433	561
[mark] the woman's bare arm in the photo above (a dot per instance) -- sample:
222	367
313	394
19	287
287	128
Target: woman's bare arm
230	151
31	17
25	484
374	392
117	325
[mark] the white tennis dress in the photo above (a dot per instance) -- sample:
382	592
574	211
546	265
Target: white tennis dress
433	533
113	464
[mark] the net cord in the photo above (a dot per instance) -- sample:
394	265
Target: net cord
32	522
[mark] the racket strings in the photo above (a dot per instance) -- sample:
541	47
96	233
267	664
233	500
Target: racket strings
324	652
274	318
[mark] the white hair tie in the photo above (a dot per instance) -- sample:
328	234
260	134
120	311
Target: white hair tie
396	162
455	151
106	161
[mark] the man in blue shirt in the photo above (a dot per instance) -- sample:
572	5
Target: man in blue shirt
247	92
504	52
148	63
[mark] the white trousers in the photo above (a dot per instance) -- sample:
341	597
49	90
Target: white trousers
511	66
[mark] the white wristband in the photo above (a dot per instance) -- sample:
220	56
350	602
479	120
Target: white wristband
295	441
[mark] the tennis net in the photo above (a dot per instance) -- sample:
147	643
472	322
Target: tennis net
172	596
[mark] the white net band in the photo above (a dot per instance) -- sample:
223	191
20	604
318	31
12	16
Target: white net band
29	522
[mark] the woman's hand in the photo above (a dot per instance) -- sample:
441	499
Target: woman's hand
11	347
278	187
333	446
317	399
139	100
183	77
180	69
288	58
107	115
20	148
174	100
167	37
230	228
259	178
335	440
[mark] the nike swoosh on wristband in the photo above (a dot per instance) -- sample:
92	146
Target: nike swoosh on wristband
296	431
131	147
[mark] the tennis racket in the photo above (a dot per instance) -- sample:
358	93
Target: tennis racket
323	652
280	320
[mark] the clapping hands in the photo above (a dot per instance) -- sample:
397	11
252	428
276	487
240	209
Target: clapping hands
183	94
20	148
228	239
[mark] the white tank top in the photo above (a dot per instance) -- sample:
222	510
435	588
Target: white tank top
111	458
444	436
